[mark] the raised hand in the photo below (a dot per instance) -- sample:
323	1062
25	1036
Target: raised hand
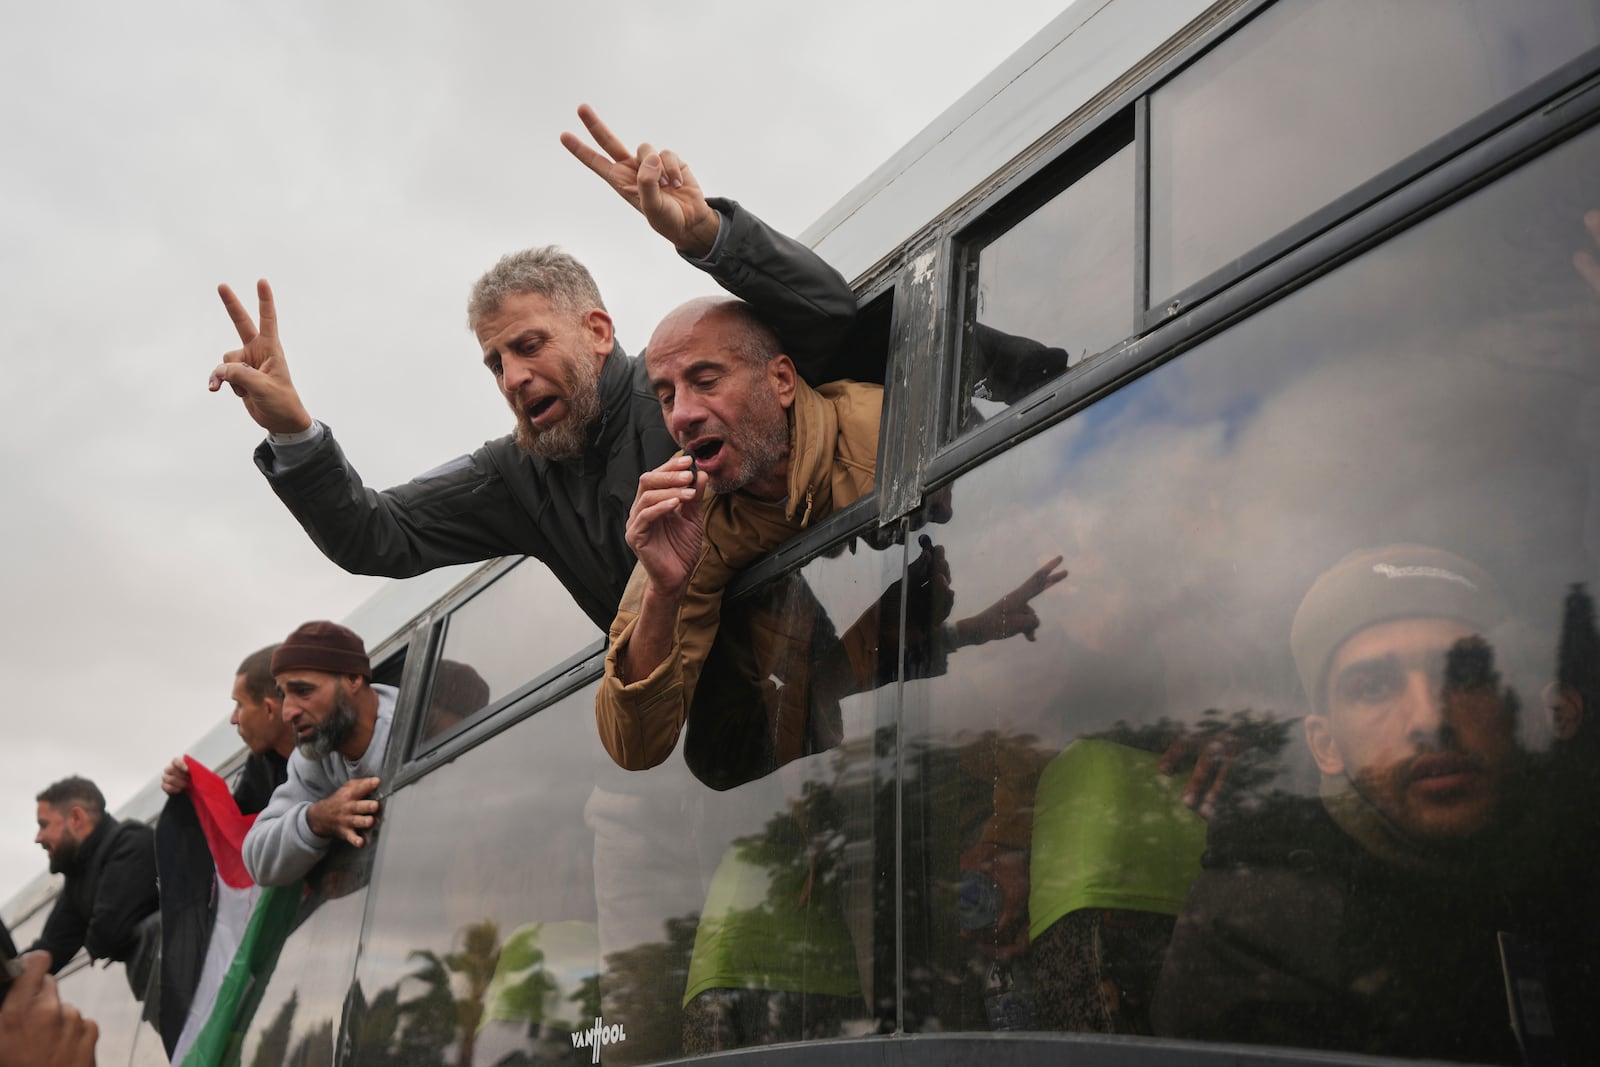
1214	755
256	372
666	525
1012	614
929	597
347	813
658	184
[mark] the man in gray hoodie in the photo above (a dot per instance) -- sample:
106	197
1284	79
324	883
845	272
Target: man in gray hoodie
341	725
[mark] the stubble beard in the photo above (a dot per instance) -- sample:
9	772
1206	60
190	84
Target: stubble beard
1438	822
566	439
332	731
759	451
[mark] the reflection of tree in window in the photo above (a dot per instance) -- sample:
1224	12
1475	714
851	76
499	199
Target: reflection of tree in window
274	1047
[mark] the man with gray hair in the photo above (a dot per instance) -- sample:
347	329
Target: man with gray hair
586	427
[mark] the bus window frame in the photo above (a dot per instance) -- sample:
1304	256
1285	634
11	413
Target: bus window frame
1545	91
1550	111
1090	148
418	754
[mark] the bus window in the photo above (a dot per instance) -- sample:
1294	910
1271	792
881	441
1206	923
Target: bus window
1353	89
1049	292
101	993
1345	550
482	937
534	893
517	630
297	1015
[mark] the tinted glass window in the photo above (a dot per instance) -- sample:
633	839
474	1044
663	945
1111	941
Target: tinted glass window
1050	292
101	993
503	638
1302	751
531	888
296	1017
1354	88
28	930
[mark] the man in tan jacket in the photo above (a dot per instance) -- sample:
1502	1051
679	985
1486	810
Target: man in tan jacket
764	456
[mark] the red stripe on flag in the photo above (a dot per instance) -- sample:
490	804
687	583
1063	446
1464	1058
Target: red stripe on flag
223	825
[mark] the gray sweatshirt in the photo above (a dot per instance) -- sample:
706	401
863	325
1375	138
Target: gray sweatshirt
280	847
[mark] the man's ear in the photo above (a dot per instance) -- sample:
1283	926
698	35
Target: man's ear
78	820
599	331
1324	749
781	376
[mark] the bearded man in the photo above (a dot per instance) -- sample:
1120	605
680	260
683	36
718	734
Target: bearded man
764	455
1391	913
586	426
341	722
110	870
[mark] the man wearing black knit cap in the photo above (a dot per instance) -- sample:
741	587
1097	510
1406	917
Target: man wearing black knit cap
341	725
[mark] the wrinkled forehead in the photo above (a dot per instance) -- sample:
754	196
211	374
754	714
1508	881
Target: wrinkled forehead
1403	639
519	312
680	344
1410	644
301	677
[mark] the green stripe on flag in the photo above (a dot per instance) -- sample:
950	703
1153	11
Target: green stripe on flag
219	1040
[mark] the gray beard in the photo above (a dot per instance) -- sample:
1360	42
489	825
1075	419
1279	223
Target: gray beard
567	438
759	451
331	732
759	455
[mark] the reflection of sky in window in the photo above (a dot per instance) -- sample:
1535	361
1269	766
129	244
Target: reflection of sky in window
1064	275
1354	88
1435	390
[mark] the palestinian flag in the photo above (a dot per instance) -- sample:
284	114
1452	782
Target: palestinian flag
220	931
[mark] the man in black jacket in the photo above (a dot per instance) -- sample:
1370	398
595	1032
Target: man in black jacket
110	870
258	716
587	424
1392	913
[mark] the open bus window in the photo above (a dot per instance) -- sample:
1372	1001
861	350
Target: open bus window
1049	292
1355	88
518	629
388	671
864	357
1345	551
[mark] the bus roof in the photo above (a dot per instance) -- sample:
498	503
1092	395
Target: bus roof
1090	48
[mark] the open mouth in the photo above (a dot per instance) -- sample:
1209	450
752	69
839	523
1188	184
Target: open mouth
707	450
538	408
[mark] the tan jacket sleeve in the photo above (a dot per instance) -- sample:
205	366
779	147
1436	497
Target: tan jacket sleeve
639	723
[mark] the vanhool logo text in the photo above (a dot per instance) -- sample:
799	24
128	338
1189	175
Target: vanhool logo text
597	1035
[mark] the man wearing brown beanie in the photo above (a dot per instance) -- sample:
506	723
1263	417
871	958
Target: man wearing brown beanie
341	725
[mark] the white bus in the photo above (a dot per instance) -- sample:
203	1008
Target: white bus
1221	304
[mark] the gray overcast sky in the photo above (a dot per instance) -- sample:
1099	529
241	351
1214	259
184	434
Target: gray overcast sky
370	160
